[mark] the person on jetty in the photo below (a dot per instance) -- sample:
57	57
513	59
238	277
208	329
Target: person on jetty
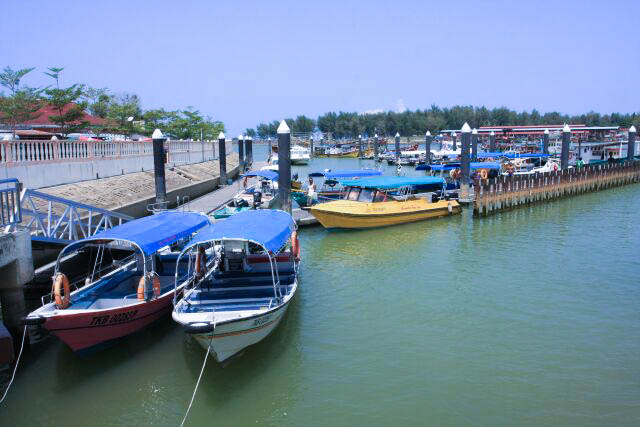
312	195
611	159
579	163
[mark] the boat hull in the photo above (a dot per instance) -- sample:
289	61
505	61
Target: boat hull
300	161
358	215
230	338
90	328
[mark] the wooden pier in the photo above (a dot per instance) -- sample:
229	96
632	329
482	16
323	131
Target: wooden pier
507	192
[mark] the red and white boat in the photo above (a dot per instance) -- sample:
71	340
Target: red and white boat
120	296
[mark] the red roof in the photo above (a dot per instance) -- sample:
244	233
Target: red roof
47	110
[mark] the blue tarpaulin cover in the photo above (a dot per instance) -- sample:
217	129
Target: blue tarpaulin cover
270	228
153	232
388	182
269	174
347	173
472	166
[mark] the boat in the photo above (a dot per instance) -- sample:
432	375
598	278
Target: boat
330	187
299	155
261	195
253	277
386	200
118	296
450	172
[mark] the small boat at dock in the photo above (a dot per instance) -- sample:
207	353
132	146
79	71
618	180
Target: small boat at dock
330	187
386	200
299	155
119	296
243	291
261	195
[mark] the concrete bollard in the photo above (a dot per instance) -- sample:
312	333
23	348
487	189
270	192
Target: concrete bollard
453	141
16	269
284	166
566	142
359	146
427	146
311	146
241	153
397	148
222	155
248	143
376	158
158	166
492	142
545	141
631	146
268	148
474	145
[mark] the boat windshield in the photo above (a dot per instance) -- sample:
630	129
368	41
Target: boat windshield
366	195
380	196
352	193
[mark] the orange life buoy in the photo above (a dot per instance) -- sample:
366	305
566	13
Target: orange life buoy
484	174
201	262
454	174
295	245
61	291
156	287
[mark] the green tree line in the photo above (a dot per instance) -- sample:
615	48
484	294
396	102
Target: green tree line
435	119
122	112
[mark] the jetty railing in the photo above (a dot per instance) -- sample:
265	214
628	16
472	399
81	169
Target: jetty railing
507	192
20	152
10	209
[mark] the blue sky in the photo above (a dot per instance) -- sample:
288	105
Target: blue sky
244	62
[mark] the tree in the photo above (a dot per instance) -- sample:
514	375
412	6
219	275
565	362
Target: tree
250	132
98	100
23	103
124	109
66	102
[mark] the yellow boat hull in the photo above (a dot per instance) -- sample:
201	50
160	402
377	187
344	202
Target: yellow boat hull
348	214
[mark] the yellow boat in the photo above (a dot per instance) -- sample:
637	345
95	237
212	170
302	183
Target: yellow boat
383	201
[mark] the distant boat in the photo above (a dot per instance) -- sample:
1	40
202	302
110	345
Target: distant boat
245	293
299	155
386	200
119	296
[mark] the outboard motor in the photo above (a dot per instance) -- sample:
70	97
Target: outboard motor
257	199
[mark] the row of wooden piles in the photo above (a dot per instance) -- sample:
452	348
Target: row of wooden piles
506	192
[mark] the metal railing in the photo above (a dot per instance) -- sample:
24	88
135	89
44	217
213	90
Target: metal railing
41	216
10	210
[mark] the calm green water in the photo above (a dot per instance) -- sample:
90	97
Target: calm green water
527	317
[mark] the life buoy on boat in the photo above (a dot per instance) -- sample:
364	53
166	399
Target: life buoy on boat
454	174
201	262
61	291
156	287
484	174
295	245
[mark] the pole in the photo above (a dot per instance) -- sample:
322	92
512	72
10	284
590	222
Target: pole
474	145
222	156
268	148
284	166
453	139
566	140
311	146
427	146
397	148
249	146
158	166
359	146
492	142
464	158
375	148
545	142
241	153
202	144
631	145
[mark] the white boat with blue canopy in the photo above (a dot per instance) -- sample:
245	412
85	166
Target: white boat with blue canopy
130	281
244	280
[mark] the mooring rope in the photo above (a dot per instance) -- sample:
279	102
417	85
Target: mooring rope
24	334
206	356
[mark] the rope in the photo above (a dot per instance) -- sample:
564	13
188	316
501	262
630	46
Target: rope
24	334
206	356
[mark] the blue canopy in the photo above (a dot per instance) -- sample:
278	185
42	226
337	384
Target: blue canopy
268	174
347	173
389	182
489	154
269	228
153	232
512	155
